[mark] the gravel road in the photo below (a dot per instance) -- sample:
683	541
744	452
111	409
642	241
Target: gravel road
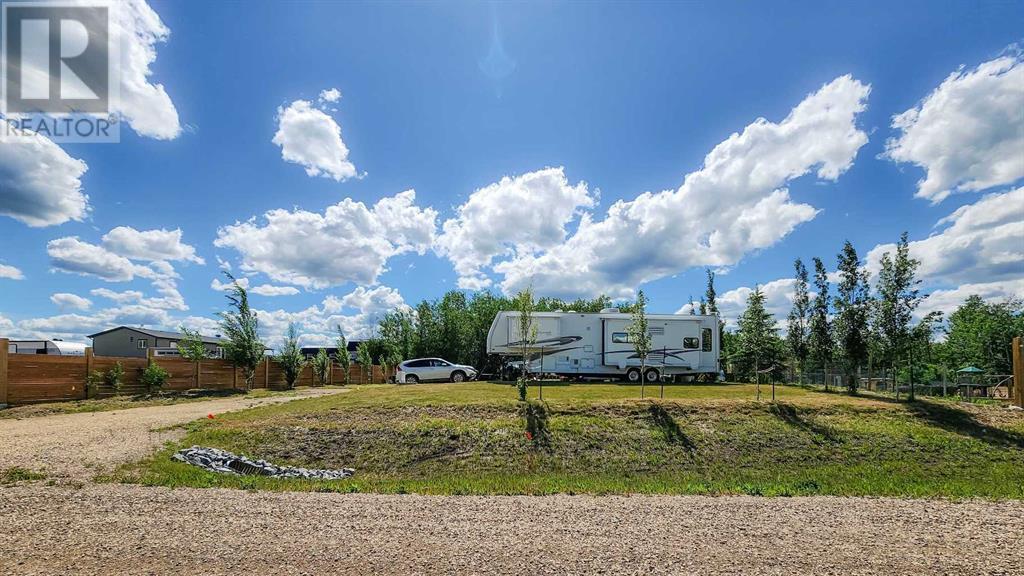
77	527
79	446
134	530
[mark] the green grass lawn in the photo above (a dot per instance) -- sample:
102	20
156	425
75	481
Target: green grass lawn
602	438
123	402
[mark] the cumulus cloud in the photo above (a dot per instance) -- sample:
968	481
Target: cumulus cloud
149	244
948	300
311	138
69	254
778	300
349	242
978	243
271	290
736	203
330	95
40	184
357	313
66	301
968	134
10	272
262	289
517	215
145	105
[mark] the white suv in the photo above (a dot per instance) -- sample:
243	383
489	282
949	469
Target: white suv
433	369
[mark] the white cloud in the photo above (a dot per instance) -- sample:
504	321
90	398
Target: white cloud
149	244
968	134
978	243
146	106
310	137
330	95
347	243
66	301
519	215
40	184
262	289
271	290
10	272
736	203
948	300
72	255
778	300
357	313
119	297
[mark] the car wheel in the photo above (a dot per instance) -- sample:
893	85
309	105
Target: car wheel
411	379
652	375
458	376
633	375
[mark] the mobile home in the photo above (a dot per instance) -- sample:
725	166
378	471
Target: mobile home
598	345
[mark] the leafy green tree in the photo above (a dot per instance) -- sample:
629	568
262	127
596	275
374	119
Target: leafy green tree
191	346
797	332
240	326
759	347
980	334
341	357
640	336
527	329
898	297
364	355
820	345
290	357
322	366
398	329
852	304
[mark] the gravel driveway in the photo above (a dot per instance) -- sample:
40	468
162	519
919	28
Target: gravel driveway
79	446
78	527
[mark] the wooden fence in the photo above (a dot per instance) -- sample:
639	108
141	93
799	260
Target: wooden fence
34	378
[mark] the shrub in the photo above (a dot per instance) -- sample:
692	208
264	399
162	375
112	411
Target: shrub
154	377
537	431
521	387
114	377
322	366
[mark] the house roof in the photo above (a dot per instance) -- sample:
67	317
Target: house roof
160	334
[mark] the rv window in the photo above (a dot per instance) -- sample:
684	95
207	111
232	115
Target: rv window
705	335
142	343
691	343
620	338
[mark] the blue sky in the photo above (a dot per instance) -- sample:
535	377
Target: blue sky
616	100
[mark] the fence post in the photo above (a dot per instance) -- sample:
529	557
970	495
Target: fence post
199	373
266	373
4	343
1018	371
88	370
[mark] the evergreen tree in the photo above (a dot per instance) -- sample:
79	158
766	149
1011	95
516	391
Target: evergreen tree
290	357
820	345
797	328
342	357
851	306
759	347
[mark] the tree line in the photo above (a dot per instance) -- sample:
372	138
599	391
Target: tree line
867	323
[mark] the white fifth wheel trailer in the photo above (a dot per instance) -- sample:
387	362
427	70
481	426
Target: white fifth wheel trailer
598	345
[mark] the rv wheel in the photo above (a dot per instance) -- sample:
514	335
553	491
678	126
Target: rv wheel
652	375
633	375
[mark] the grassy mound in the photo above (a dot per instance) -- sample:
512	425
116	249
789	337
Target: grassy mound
715	439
